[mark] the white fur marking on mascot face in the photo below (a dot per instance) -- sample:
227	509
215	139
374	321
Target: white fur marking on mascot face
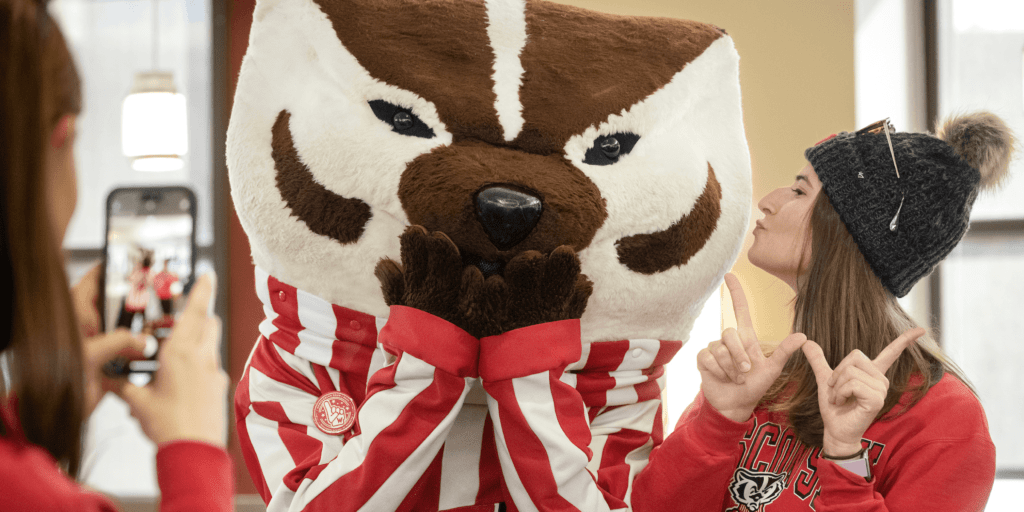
507	33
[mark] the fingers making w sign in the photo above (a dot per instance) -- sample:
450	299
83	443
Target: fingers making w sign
734	371
851	395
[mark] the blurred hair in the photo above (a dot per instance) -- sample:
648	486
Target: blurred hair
38	86
842	305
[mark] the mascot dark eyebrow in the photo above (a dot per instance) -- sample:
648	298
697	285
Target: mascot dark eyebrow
481	229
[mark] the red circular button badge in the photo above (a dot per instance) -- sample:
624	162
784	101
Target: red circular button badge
334	413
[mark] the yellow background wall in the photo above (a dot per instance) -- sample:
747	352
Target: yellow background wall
796	74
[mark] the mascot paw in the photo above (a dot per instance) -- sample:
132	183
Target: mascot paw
545	288
482	303
432	278
429	276
392	281
535	288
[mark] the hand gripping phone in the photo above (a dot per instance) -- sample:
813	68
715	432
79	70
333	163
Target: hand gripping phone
148	264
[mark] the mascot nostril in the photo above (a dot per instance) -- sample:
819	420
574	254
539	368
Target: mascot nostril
508	216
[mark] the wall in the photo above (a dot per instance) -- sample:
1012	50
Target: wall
246	312
796	72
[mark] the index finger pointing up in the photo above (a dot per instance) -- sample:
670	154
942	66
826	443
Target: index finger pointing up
200	299
889	354
744	325
819	365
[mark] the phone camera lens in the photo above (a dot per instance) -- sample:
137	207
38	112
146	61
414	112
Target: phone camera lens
150	205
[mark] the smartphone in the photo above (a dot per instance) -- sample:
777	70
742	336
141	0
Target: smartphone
149	263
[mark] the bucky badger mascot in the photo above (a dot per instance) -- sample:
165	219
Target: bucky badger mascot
480	229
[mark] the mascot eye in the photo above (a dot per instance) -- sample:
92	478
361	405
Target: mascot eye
401	120
608	149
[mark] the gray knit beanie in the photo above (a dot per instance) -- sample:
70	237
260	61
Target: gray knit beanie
905	225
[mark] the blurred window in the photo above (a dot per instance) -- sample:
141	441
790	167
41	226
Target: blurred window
980	65
973	50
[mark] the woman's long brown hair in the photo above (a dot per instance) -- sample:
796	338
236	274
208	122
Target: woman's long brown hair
843	306
43	359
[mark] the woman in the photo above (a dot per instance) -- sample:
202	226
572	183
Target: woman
51	376
167	286
853	420
137	299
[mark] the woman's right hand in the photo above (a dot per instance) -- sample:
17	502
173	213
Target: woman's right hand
186	400
734	372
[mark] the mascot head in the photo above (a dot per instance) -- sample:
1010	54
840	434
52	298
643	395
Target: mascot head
509	125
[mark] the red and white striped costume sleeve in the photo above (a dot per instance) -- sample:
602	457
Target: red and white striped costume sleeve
427	437
573	440
309	347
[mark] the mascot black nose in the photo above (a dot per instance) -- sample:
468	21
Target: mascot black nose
507	215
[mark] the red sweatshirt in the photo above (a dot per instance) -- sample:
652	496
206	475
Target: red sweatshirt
193	476
937	456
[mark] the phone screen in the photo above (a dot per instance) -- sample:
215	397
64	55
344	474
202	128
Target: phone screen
150	258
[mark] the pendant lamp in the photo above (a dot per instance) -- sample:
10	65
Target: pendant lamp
154	127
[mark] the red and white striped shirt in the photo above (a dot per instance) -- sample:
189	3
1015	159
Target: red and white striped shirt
532	419
138	292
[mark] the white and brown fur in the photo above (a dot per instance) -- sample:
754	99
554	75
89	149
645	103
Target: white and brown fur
515	92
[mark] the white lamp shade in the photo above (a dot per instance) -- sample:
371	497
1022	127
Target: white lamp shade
154	127
157	163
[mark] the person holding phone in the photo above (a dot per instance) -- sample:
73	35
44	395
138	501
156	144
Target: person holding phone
139	280
859	409
50	342
165	282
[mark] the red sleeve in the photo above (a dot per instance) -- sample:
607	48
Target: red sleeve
947	464
194	476
938	476
30	480
543	430
621	382
694	464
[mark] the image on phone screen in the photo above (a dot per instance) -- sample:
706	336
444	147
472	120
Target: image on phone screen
150	258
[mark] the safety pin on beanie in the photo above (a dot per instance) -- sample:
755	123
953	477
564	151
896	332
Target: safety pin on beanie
895	218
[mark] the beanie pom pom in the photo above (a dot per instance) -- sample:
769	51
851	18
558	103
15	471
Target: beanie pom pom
984	141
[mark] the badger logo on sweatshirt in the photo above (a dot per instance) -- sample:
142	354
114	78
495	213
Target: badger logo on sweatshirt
756	489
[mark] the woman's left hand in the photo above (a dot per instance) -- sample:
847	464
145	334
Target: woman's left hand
851	396
99	347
